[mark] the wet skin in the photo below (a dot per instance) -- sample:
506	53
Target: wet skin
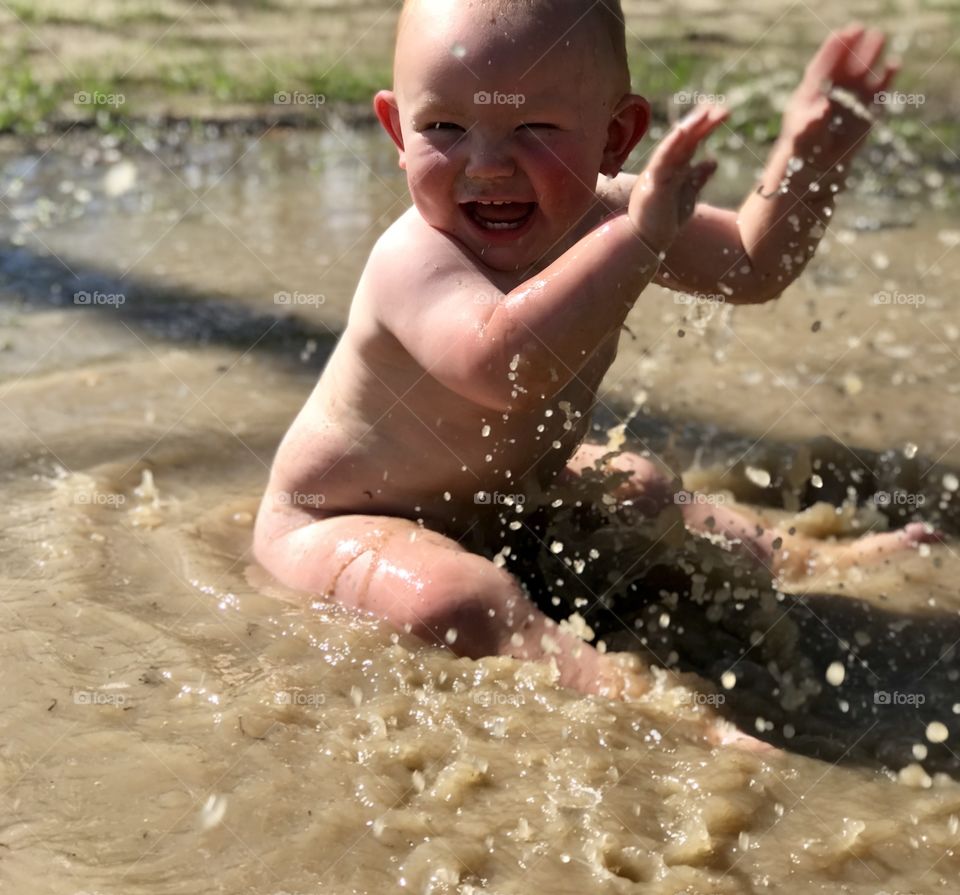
480	333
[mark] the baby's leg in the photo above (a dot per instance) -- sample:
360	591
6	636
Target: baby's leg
427	584
792	555
649	490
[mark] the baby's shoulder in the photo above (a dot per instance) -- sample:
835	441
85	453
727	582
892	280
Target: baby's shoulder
411	258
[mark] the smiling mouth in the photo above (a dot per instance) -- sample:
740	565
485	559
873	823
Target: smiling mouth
499	215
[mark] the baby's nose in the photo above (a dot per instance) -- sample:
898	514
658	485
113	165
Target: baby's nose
490	159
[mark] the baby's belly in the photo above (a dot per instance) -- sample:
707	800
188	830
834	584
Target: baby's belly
432	455
449	478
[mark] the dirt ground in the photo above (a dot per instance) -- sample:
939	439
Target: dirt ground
191	58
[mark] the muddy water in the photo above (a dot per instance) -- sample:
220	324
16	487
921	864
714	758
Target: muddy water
173	723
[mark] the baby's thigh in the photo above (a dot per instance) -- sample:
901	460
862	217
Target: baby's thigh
417	579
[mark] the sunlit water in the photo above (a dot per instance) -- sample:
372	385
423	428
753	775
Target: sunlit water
171	726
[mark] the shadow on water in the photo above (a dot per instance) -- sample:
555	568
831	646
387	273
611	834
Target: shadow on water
162	312
899	672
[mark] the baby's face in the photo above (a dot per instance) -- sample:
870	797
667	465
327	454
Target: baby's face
502	129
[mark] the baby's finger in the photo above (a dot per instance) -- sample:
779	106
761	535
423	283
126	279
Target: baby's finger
864	57
701	173
829	59
886	79
680	144
695	180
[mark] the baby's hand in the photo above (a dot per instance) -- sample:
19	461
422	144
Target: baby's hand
664	196
825	132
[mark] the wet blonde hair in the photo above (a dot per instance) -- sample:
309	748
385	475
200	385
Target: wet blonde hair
606	16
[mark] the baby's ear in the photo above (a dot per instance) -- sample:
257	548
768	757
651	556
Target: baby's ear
628	123
388	112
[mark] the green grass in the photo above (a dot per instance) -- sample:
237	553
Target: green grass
24	102
660	73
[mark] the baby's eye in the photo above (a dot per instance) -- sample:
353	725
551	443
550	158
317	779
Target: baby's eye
538	125
443	126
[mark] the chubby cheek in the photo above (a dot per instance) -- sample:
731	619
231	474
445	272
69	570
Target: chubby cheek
566	181
430	178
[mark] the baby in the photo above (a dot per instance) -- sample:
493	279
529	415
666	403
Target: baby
460	392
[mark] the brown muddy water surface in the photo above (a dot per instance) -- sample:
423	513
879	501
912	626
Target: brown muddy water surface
173	723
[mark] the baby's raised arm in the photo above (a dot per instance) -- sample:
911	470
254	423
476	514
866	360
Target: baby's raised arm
753	254
509	350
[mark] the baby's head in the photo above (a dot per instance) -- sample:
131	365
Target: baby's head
523	102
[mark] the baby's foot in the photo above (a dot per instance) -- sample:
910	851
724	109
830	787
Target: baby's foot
869	549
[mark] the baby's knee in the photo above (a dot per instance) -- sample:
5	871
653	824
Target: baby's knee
648	486
468	604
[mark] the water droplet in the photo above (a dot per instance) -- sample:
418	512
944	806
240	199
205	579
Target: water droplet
213	811
937	732
836	673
